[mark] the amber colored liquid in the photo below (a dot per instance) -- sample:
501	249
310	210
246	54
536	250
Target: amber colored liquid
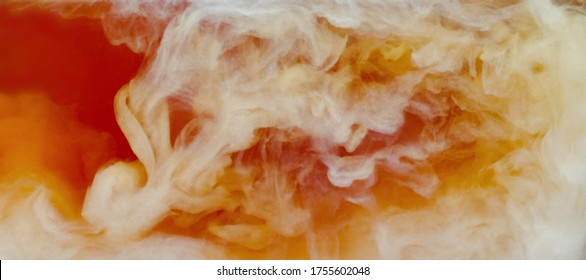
72	64
77	71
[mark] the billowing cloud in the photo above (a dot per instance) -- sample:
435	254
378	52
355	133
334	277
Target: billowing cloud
335	129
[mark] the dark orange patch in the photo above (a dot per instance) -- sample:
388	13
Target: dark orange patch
71	61
58	79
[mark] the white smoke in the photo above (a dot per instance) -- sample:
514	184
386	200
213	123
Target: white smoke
274	90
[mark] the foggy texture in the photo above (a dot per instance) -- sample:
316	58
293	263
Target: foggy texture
323	130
